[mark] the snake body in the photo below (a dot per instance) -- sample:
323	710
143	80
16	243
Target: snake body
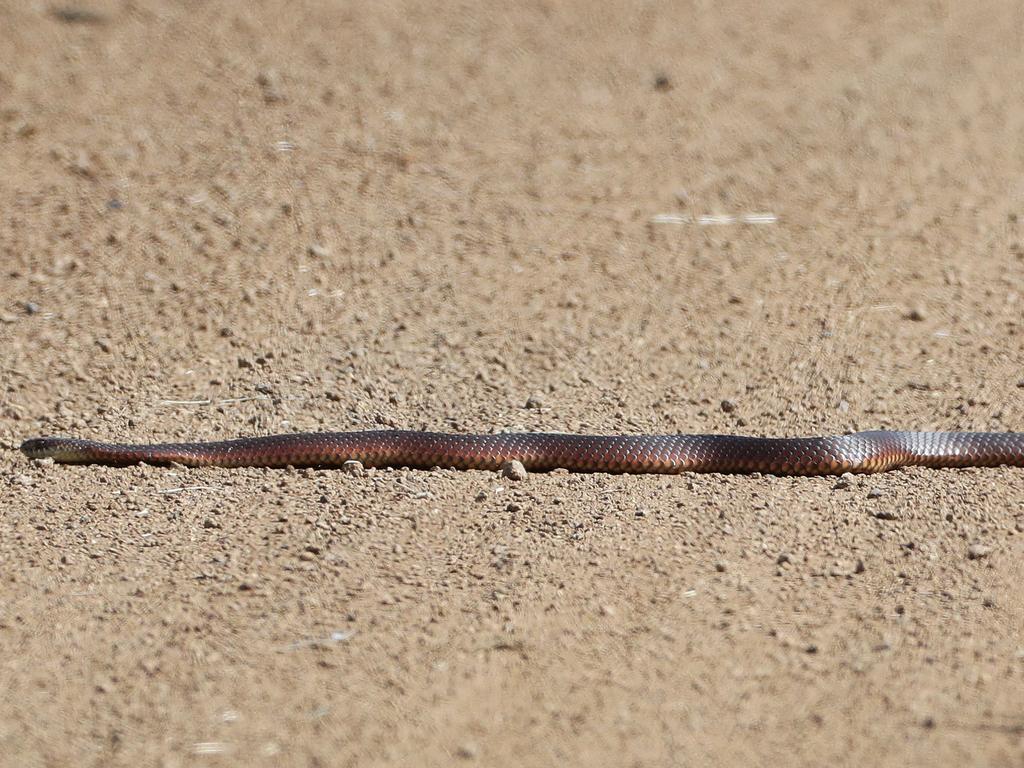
861	452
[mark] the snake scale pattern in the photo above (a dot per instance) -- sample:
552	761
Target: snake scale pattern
861	452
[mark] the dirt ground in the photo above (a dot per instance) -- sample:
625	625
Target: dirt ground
224	219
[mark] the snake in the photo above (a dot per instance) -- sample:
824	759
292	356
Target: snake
859	452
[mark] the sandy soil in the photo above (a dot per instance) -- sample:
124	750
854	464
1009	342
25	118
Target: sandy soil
225	220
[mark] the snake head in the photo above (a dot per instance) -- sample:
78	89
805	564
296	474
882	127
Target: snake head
62	449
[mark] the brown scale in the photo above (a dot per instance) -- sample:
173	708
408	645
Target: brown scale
861	452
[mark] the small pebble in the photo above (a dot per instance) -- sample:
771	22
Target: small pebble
783	558
916	314
82	165
513	470
467	751
270	83
884	514
844	481
534	402
978	551
728	406
875	493
662	82
316	250
352	467
721	566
